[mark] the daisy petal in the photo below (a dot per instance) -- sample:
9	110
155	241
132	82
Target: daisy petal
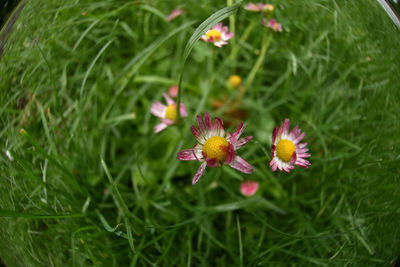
159	127
293	159
197	134
252	7
207	121
218	127
198	152
212	163
228	36
236	135
199	173
274	134
183	110
285	126
187	154
273	148
175	13
158	109
168	99
242	142
201	124
218	26
241	165
167	121
173	91
230	155
299	138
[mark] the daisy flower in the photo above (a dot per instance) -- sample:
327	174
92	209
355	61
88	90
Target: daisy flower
218	34
175	13
259	7
167	114
215	148
248	188
287	150
272	24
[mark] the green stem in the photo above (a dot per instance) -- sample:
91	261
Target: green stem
266	41
233	44
243	38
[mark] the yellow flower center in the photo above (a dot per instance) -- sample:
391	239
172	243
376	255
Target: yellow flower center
212	148
285	149
235	80
214	34
170	113
268	8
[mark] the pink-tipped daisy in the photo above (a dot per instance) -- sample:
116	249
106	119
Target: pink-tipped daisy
287	150
272	24
259	7
248	188
218	34
175	13
167	114
215	148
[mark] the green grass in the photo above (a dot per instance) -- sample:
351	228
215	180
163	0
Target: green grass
91	184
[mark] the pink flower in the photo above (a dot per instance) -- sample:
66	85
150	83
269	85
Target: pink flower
167	114
175	13
272	24
218	34
249	188
173	91
259	7
287	150
215	148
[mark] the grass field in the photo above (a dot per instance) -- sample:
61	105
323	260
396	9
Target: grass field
86	181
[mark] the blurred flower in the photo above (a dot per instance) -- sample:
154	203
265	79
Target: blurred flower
249	188
218	34
259	7
9	156
272	24
214	147
235	81
286	149
167	114
232	112
173	91
175	13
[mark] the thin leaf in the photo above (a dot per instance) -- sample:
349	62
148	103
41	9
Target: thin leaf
121	203
92	65
11	213
106	224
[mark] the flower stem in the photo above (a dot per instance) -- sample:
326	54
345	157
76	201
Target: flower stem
243	38
267	38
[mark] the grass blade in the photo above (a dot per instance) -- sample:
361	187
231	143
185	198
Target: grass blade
92	65
118	197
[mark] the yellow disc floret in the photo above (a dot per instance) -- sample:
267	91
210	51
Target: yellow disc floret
235	80
268	8
170	113
216	147
214	34
285	149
